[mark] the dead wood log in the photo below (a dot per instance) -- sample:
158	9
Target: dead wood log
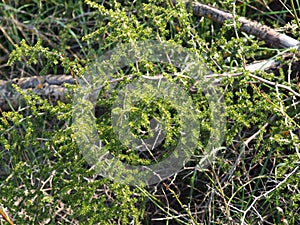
50	87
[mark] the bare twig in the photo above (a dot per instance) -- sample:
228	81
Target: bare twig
5	216
266	194
275	84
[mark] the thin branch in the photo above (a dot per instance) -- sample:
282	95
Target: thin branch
266	194
275	84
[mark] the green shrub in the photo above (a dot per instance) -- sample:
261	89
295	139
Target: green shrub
46	180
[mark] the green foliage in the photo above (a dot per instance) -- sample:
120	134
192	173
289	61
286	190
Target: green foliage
46	180
47	172
32	53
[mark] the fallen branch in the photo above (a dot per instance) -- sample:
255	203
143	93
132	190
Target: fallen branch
51	87
269	35
255	28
